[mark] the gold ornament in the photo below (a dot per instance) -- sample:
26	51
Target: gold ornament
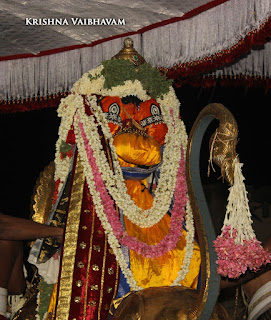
80	264
129	53
77	299
83	245
79	283
42	195
172	303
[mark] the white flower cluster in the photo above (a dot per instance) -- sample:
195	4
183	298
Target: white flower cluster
66	111
189	247
238	214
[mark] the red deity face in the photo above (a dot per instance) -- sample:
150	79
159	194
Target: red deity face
147	114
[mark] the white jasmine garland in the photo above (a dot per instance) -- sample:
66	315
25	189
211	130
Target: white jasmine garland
37	316
176	137
66	110
112	240
188	247
115	182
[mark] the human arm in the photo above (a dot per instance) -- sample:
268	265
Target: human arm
12	228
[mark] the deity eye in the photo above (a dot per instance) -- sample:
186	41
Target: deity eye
155	110
114	108
113	114
156	116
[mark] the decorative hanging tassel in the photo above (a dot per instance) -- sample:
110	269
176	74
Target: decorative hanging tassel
237	247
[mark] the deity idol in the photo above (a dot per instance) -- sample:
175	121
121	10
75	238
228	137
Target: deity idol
121	187
120	191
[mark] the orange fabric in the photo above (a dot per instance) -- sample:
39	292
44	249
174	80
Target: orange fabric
157	131
137	149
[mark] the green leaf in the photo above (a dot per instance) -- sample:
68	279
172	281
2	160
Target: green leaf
116	72
65	147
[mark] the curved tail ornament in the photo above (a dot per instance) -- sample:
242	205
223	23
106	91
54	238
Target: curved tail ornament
223	153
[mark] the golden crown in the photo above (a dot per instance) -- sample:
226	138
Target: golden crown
129	53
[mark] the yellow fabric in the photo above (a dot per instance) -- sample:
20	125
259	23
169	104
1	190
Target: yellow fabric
137	149
52	305
163	270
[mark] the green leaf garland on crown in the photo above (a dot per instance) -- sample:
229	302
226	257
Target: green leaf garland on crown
116	72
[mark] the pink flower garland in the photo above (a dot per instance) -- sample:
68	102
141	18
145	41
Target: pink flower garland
169	242
235	259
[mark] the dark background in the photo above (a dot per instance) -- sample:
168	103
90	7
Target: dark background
28	141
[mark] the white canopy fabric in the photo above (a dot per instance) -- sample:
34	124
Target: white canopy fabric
45	47
23	36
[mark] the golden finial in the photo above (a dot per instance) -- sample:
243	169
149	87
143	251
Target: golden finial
129	53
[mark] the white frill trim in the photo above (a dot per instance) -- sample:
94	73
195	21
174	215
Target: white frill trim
256	64
205	34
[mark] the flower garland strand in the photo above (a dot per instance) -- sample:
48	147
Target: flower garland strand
149	251
113	242
66	111
237	247
189	246
114	180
